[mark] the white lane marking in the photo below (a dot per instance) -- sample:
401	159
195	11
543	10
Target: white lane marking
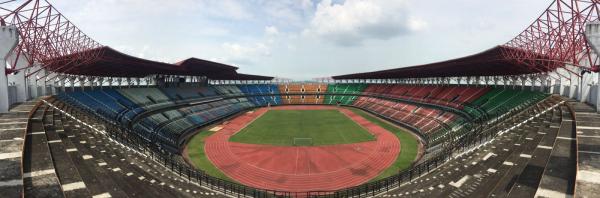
460	182
542	192
589	136
525	155
71	150
103	195
544	147
488	156
73	186
37	133
587	127
10	155
589	152
565	138
16	182
54	141
11	129
38	173
588	176
7	123
11	140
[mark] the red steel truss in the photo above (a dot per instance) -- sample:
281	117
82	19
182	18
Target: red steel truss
559	36
45	36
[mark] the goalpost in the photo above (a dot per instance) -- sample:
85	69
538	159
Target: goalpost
303	142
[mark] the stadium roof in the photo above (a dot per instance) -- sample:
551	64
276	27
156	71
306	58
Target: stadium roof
492	62
110	62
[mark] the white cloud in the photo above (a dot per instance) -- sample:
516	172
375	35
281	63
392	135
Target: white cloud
229	9
354	21
416	24
271	31
245	53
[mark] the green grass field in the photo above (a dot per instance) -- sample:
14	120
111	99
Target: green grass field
280	127
408	153
408	145
195	149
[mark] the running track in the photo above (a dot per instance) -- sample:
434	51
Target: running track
296	169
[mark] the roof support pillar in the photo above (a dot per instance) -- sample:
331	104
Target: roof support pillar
9	38
19	79
513	81
573	82
533	79
72	83
61	83
4	95
83	82
112	82
495	78
543	82
42	82
32	82
561	87
523	80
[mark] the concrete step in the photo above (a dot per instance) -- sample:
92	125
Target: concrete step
559	174
39	176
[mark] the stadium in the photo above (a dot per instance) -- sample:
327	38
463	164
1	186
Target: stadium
81	119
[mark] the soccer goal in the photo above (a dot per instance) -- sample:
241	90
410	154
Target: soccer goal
303	141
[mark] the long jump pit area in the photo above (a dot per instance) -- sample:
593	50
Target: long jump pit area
301	168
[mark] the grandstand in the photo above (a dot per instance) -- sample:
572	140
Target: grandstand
100	123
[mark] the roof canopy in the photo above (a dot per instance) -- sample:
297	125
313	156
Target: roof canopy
492	62
113	63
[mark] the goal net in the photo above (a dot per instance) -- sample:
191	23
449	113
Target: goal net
303	141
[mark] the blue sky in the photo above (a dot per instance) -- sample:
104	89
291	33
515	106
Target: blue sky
303	39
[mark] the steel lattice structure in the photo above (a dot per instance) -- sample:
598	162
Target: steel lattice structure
558	36
45	35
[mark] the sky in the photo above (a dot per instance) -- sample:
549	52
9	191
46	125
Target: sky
303	39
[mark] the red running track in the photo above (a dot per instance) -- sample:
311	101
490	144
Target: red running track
298	169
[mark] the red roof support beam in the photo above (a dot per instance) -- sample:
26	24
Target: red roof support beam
45	35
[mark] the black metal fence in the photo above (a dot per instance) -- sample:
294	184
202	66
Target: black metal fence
455	144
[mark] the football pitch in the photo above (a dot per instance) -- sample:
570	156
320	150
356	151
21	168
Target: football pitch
302	128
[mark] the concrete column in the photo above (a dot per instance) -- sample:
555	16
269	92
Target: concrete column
9	38
572	87
19	77
42	82
72	81
32	82
543	80
597	94
533	81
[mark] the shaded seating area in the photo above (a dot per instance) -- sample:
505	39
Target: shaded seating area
342	89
